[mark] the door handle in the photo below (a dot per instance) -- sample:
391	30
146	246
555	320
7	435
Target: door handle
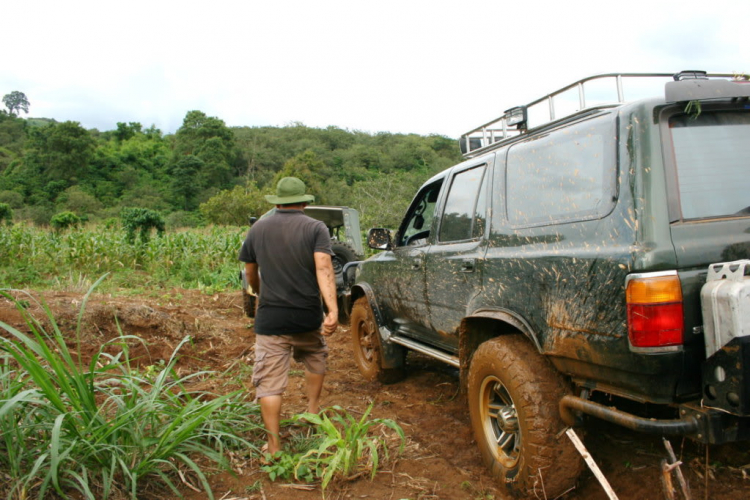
468	265
416	265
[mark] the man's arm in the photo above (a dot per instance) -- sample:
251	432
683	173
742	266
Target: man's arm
327	285
253	278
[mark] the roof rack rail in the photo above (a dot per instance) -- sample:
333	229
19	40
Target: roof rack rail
604	90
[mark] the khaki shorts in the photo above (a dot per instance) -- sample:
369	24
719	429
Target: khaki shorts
273	355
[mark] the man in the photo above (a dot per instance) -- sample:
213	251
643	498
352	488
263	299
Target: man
287	259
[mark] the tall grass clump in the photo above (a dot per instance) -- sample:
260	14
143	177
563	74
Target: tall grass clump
103	430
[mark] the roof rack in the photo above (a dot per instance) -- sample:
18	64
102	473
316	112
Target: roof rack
604	90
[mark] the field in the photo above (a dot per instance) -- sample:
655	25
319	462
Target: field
439	460
183	286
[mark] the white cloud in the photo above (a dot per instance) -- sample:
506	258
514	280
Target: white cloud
402	66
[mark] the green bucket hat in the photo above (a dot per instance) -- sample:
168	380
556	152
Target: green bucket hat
290	190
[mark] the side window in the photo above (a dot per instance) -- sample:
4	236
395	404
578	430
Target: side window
460	214
566	175
416	226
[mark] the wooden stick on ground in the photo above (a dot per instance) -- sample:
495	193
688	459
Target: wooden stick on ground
590	462
676	466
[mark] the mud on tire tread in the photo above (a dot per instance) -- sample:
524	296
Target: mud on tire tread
366	345
535	388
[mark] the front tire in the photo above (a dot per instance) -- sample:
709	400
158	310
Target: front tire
368	350
514	394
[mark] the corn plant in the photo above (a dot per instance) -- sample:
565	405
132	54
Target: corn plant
102	430
344	447
197	258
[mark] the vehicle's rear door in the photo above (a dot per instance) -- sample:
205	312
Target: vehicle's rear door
708	162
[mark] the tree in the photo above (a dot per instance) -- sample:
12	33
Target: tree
310	169
141	220
185	186
59	152
6	213
208	139
16	102
236	206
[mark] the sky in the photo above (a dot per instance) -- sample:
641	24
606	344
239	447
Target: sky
404	66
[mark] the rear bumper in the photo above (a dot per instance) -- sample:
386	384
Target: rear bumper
703	424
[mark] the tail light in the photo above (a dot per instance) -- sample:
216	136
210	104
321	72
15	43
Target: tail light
655	317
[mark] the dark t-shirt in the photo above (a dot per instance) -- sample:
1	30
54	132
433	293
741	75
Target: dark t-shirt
283	245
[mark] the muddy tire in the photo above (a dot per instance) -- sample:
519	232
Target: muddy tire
367	348
513	403
342	255
248	304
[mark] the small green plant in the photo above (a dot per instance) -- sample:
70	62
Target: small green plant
347	447
693	109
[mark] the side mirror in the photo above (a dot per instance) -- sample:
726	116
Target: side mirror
252	220
379	238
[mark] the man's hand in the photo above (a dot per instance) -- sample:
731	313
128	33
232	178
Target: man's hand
330	323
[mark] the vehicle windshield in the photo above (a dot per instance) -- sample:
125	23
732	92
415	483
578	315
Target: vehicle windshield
713	158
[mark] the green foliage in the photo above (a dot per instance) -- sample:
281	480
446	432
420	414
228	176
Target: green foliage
141	220
196	258
101	430
51	167
65	220
13	198
234	207
344	447
16	102
6	213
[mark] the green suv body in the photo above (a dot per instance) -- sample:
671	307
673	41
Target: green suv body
561	265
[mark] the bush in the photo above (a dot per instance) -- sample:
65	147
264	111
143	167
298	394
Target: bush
141	220
65	220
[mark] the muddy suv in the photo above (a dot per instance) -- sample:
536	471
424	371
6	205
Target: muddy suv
346	244
560	269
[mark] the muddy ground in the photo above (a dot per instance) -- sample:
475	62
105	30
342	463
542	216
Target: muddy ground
440	460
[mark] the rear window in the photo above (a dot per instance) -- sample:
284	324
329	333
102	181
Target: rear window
712	153
568	175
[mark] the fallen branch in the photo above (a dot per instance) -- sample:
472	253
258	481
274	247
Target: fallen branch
592	465
675	465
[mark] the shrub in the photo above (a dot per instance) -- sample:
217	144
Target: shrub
64	220
141	220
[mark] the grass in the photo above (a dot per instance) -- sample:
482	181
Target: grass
338	446
103	430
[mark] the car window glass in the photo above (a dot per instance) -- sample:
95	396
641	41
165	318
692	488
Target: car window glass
712	151
460	207
566	175
416	227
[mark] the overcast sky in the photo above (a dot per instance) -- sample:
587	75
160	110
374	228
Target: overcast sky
433	66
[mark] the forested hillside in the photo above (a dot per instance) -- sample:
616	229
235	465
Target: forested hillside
207	172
